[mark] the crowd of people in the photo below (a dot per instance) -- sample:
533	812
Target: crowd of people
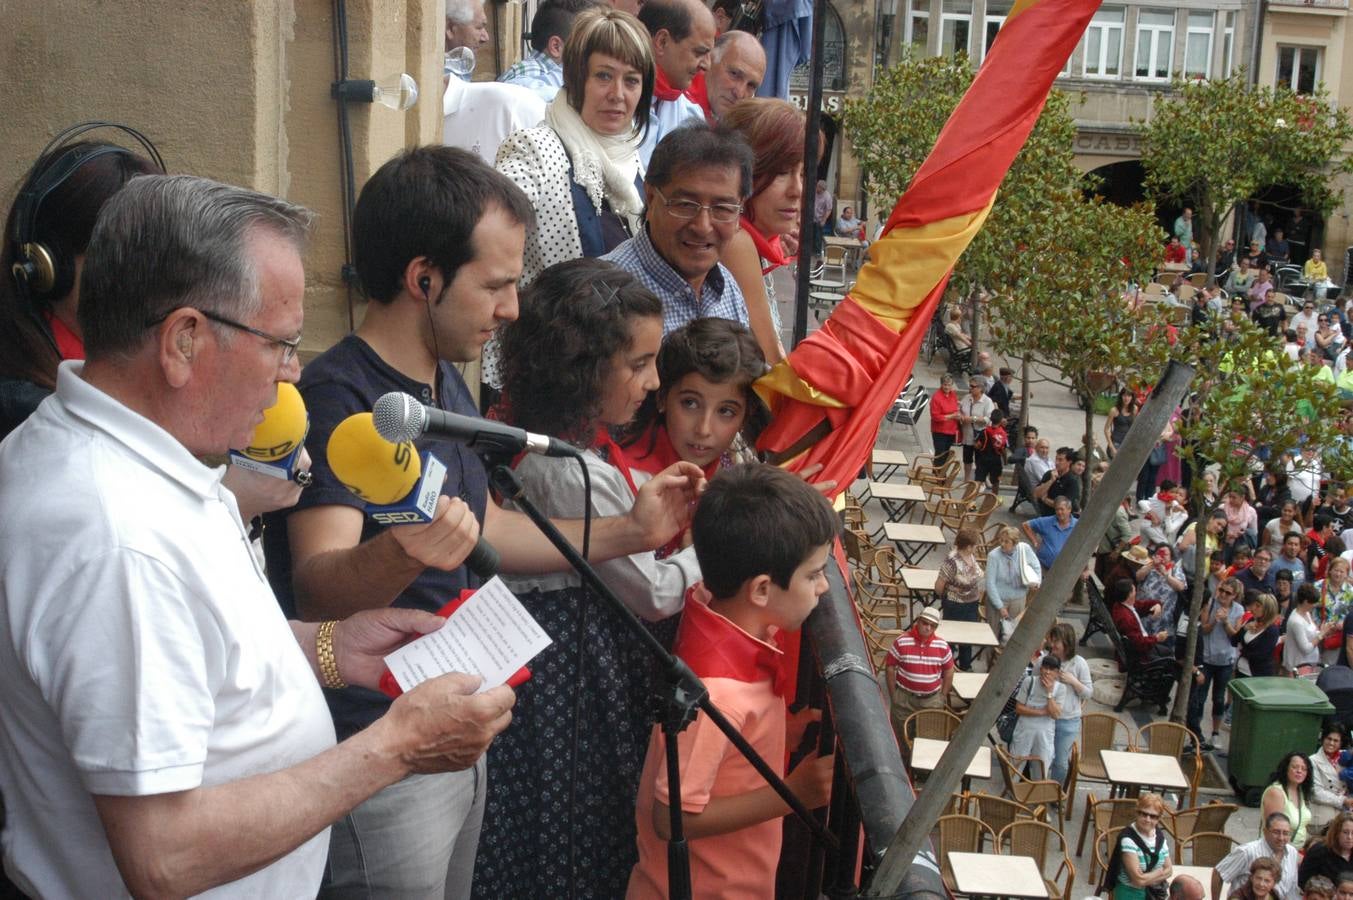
623	179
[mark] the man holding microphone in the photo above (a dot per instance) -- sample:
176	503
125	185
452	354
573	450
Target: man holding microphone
438	238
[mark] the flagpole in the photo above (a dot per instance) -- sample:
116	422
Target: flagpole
811	129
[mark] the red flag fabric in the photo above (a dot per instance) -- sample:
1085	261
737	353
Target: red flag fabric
849	372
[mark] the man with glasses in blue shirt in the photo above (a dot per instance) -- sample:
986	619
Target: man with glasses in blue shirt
694	189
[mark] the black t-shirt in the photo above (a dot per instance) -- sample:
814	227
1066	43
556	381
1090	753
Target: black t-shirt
1269	316
345	379
1068	486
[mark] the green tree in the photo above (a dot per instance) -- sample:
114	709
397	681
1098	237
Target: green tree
1212	144
1249	405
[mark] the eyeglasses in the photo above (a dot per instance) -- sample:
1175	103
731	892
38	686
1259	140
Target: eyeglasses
722	213
1149	815
1226	591
289	345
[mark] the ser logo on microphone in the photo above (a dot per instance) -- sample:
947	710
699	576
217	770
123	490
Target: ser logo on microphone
397	518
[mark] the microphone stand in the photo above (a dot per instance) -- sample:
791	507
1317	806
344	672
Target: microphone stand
685	693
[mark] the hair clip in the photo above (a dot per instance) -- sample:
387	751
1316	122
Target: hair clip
605	300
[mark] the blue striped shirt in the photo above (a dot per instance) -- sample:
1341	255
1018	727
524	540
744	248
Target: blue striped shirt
720	297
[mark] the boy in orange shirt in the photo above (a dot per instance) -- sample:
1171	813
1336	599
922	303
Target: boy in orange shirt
762	537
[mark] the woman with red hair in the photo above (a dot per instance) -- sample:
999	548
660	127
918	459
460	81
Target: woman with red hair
774	130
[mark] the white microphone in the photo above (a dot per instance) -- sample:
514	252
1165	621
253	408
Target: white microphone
400	419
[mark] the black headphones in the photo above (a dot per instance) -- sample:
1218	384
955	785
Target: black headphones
42	270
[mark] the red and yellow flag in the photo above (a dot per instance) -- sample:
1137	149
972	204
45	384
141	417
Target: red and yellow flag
850	371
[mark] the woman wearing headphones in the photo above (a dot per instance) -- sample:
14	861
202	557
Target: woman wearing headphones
46	233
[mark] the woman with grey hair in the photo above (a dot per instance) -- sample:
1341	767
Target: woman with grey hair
1013	573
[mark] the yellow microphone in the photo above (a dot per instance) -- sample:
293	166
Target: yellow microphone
275	447
379	472
400	487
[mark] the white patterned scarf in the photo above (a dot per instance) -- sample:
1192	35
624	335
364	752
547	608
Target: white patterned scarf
605	166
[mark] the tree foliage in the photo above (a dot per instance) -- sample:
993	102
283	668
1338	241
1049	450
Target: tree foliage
1250	406
1214	143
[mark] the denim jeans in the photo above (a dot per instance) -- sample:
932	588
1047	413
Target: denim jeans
415	839
1068	732
1217	677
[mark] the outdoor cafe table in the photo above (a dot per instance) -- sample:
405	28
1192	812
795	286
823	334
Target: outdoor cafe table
1204	876
920	581
897	500
981	875
1130	771
890	462
974	634
913	541
926	753
967	684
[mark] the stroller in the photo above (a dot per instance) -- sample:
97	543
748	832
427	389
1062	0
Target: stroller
1337	683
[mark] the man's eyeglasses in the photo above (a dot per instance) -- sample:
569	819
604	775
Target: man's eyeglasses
289	345
689	209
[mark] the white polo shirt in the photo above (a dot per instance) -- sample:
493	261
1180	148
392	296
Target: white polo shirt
141	649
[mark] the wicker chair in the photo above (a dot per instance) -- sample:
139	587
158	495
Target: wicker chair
1206	848
960	834
1172	739
950	501
939	724
1210	818
1100	731
998	812
1041	841
1109	816
1030	792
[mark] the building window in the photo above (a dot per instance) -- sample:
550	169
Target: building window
955	27
1104	43
1228	44
918	25
996	12
1299	68
1198	45
1155	44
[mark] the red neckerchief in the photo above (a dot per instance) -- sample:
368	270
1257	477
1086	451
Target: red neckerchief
662	454
698	93
716	648
610	451
769	248
662	88
68	343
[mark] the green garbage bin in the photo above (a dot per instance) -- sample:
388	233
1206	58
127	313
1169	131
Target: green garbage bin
1271	717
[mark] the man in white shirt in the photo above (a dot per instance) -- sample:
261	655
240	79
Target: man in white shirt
1276	843
466	26
1039	462
478	116
162	727
683	41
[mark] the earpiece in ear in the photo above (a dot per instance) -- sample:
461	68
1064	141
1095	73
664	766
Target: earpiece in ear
425	284
185	343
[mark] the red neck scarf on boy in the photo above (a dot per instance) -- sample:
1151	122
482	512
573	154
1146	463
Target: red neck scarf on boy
768	248
715	648
662	88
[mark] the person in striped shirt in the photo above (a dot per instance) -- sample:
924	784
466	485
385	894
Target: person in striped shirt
920	668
